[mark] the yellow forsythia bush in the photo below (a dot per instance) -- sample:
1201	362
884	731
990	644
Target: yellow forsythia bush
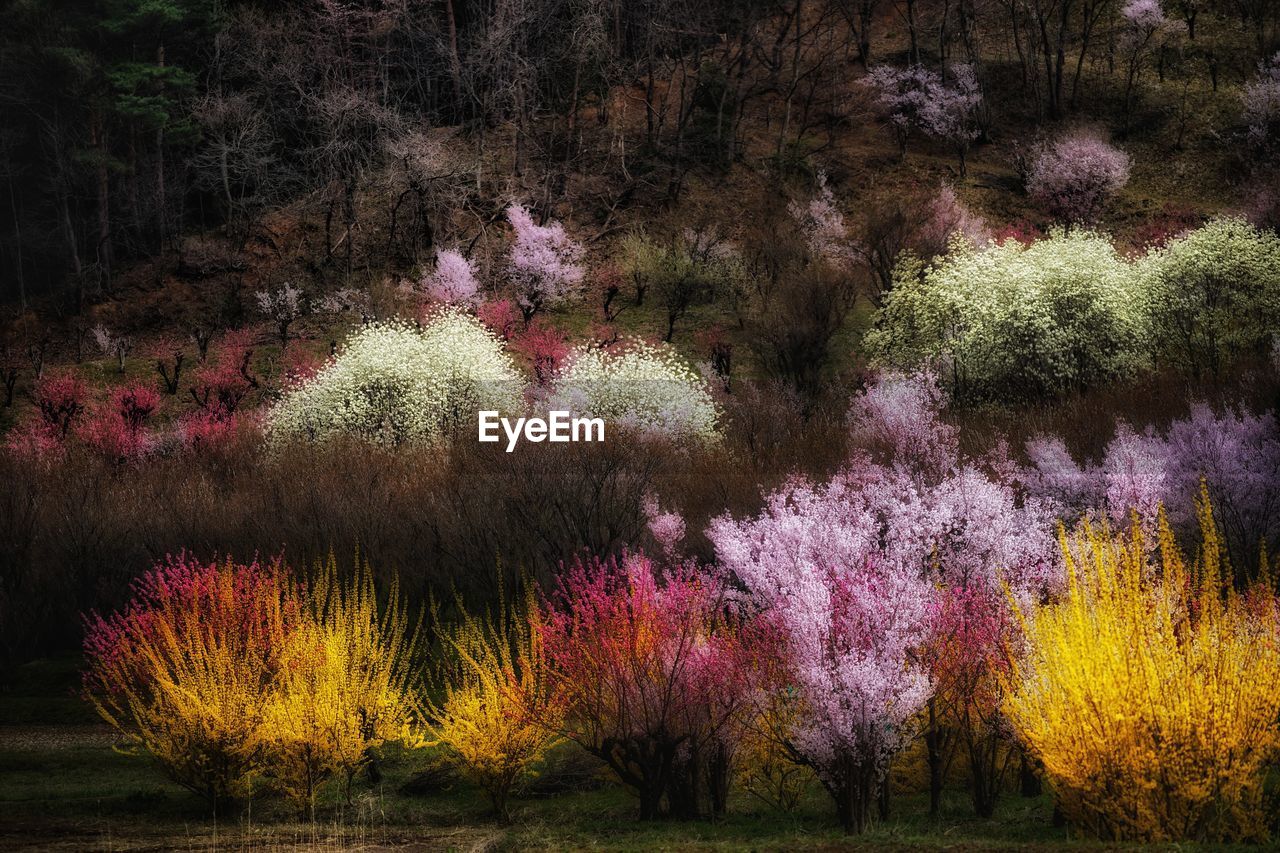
1151	690
344	686
229	673
492	708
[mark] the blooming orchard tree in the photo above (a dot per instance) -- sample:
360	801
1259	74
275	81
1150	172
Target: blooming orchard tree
393	383
916	99
545	265
850	621
452	281
1262	105
119	428
643	386
283	306
1074	177
949	219
822	224
1214	294
1142	19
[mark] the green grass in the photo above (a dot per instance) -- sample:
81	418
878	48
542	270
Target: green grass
64	784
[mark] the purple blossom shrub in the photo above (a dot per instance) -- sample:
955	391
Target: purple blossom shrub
1237	453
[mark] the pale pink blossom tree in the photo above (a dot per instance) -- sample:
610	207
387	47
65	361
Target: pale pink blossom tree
545	264
1262	105
918	99
452	281
1074	177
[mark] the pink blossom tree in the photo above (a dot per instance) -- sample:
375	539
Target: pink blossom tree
452	281
917	99
822	225
1074	177
545	264
544	346
850	622
119	428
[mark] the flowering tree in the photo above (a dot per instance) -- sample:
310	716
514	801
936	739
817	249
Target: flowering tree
500	315
1262	105
222	383
652	676
822	224
850	623
393	383
917	99
346	684
113	345
119	428
545	264
1237	453
60	399
1074	177
452	281
948	219
545	348
1141	20
1017	320
282	306
1214	294
640	385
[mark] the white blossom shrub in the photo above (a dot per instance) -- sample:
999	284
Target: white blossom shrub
394	383
1214	294
1018	321
646	387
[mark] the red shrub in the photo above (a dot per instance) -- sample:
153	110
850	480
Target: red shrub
545	348
61	399
654	676
500	315
118	429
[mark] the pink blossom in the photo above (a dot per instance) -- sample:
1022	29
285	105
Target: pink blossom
822	224
667	528
452	281
1073	178
902	414
544	264
500	315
